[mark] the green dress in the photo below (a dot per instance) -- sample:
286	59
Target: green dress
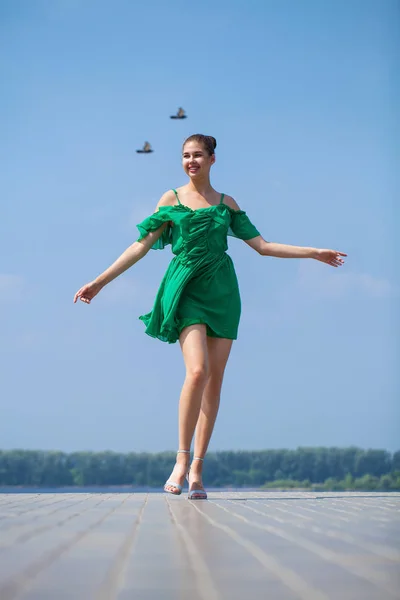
200	284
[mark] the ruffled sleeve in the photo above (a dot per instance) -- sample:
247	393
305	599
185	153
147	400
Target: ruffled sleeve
241	226
154	222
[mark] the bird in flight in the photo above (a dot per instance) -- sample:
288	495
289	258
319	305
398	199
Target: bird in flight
146	149
179	115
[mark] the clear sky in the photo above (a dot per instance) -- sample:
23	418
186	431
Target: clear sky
301	97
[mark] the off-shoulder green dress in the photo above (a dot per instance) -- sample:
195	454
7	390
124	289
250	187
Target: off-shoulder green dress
200	284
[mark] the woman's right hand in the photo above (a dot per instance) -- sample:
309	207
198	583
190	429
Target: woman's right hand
88	292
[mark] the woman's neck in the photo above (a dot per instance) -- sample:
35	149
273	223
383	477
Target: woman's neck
200	187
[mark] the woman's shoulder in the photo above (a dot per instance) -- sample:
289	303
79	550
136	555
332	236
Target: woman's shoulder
167	199
231	202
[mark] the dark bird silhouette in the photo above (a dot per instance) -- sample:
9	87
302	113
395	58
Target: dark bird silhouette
179	115
146	149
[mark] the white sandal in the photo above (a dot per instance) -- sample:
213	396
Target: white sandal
170	483
196	494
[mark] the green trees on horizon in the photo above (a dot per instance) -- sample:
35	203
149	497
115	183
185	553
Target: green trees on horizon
319	468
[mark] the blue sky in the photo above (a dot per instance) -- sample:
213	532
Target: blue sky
301	97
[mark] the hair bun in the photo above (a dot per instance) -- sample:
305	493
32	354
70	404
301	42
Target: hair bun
213	141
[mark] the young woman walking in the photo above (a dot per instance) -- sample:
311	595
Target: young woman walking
198	302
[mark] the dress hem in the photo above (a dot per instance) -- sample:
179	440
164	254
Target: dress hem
171	337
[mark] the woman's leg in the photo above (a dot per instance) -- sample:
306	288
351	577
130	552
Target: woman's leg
218	354
193	341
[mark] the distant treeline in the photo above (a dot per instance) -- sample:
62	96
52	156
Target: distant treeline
320	468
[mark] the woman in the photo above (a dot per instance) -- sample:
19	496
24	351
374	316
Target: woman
198	302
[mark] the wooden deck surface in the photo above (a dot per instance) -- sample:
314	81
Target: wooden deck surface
235	546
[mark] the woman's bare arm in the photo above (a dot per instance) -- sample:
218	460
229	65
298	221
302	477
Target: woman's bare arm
260	245
280	250
330	257
128	258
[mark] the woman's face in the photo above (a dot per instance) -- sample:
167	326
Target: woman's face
196	161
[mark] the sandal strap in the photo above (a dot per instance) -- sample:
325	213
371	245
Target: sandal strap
183	452
172	484
197	458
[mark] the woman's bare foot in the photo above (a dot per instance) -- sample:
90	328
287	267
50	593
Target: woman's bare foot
179	472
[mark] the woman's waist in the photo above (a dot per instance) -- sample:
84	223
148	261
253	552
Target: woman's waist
194	254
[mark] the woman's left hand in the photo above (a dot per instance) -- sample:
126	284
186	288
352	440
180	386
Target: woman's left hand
330	257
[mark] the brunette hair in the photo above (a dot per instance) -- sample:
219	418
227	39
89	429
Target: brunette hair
209	142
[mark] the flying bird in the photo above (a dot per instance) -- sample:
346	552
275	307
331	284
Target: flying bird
146	149
179	115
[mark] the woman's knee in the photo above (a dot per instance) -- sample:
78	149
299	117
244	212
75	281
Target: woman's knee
198	374
214	385
215	378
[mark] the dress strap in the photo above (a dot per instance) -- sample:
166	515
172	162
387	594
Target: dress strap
176	194
222	199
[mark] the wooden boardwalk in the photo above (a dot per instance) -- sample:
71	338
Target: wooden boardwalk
235	546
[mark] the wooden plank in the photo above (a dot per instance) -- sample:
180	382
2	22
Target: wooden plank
237	545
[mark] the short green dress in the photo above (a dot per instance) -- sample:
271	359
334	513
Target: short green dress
200	284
